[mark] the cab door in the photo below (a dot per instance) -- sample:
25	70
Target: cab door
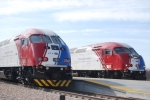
108	59
24	51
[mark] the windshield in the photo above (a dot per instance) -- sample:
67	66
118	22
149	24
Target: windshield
35	39
57	40
127	50
62	42
119	50
46	39
133	51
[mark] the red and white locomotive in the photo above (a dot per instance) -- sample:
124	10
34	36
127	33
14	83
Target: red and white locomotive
35	54
107	60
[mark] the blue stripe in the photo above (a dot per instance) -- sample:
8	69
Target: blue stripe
56	63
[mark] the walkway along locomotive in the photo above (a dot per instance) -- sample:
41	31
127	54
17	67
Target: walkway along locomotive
36	56
107	60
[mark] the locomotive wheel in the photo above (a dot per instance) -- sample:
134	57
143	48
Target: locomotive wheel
99	75
124	76
83	74
29	76
104	75
140	77
9	74
136	77
112	76
79	74
144	77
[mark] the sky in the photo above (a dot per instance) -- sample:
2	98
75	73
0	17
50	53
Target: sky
82	22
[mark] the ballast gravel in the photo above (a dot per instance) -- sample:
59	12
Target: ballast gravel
18	92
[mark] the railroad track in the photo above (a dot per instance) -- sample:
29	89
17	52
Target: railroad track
91	96
76	94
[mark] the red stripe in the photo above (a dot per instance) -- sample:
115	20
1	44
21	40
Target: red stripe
98	53
45	51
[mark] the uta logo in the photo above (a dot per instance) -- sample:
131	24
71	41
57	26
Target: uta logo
56	53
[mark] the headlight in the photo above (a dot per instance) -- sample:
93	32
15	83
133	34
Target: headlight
67	60
40	58
135	57
43	59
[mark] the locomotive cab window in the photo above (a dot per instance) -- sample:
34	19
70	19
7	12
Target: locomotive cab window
35	39
128	51
108	52
57	40
46	39
103	52
62	42
24	41
133	51
119	50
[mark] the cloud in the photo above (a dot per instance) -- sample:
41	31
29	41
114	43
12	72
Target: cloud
91	36
91	30
87	41
138	43
79	31
133	32
87	15
77	10
129	40
107	10
8	7
100	39
66	31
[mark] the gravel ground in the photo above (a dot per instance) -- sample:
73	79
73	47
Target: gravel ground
14	92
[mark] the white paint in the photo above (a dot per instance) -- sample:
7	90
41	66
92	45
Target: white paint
90	61
9	55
